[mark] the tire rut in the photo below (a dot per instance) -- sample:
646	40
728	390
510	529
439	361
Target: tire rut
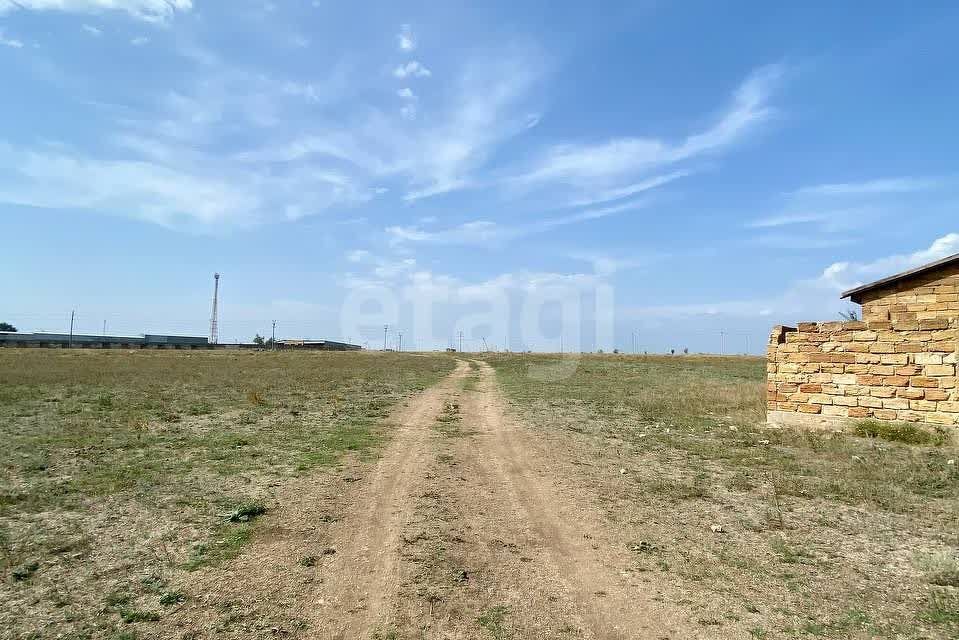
361	582
568	533
326	563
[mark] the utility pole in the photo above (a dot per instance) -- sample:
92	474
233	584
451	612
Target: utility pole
722	343
72	314
747	344
214	333
386	329
104	327
562	345
399	346
273	339
461	341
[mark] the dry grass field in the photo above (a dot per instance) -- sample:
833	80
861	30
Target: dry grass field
822	535
121	470
239	495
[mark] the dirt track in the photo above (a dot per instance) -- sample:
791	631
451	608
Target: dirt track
465	527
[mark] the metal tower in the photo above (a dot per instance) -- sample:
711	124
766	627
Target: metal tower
216	293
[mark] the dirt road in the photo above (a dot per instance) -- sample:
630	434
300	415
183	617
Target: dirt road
467	526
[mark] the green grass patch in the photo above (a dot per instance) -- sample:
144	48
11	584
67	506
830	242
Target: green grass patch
494	621
904	432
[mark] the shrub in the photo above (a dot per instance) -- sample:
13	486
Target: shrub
898	432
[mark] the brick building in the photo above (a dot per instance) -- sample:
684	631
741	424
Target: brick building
897	363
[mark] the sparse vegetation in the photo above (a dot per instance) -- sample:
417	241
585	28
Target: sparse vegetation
494	621
805	516
117	463
124	472
899	432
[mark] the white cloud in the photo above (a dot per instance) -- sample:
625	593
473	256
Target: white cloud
412	69
480	110
613	159
358	255
797	241
351	149
629	190
10	42
607	265
148	10
825	221
786	219
93	31
140	41
198	196
841	276
165	164
814	298
872	187
406	93
823	215
486	232
404	39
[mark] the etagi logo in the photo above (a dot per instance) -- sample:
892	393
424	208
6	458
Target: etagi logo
570	316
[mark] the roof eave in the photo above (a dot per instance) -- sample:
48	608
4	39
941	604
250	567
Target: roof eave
853	293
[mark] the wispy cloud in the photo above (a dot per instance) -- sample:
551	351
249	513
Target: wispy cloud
164	163
93	31
828	219
404	39
815	297
412	69
10	42
159	11
619	193
408	110
485	232
841	276
587	164
816	215
486	106
139	41
872	187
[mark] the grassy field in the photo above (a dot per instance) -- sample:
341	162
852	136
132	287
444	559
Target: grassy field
779	532
123	472
120	469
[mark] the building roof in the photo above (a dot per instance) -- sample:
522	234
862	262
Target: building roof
856	293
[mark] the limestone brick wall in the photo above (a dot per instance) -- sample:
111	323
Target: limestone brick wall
823	372
923	297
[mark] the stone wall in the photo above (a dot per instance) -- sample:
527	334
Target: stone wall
822	373
922	297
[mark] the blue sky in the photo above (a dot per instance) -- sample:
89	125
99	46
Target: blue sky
679	169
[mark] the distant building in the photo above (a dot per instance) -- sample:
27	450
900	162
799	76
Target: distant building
154	341
317	345
897	363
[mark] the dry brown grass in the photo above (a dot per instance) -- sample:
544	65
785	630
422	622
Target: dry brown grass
822	535
120	470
